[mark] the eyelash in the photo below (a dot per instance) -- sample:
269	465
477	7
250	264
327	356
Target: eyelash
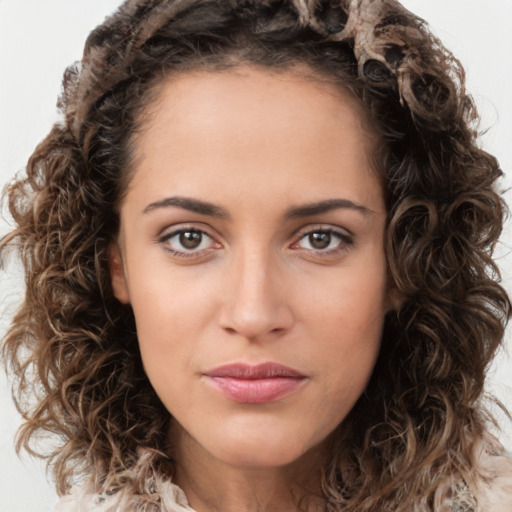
165	239
345	240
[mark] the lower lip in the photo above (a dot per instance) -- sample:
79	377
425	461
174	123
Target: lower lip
255	391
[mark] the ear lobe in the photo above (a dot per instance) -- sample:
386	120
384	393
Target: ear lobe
393	300
117	277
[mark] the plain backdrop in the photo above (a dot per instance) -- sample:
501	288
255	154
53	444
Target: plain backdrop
38	38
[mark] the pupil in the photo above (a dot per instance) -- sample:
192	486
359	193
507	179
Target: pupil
320	240
190	239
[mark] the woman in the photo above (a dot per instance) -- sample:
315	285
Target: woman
259	273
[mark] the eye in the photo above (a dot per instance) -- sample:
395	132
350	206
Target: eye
187	242
324	241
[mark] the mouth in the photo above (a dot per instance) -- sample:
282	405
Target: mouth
259	384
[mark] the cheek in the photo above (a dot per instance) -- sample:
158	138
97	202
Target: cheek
347	342
346	346
170	314
350	303
344	319
169	300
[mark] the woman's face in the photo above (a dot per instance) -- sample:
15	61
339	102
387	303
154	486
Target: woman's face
251	250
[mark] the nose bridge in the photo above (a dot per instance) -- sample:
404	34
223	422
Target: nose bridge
255	305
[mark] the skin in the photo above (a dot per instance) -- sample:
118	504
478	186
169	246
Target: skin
259	287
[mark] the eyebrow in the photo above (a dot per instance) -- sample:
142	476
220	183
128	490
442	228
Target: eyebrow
311	209
193	205
212	210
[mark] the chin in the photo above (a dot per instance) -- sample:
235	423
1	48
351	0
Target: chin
262	447
252	439
249	454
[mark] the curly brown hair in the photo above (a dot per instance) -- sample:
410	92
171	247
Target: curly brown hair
74	347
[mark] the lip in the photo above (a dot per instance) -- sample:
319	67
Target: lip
247	384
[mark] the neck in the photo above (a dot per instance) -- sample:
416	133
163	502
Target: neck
212	485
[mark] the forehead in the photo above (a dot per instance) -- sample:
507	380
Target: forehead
297	81
248	94
252	128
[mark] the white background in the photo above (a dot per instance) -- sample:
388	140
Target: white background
38	38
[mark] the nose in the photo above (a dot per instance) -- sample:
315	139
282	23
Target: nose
256	304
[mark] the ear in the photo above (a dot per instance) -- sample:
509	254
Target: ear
393	300
117	275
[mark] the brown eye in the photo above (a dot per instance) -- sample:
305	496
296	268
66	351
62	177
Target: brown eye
320	240
188	242
325	241
190	239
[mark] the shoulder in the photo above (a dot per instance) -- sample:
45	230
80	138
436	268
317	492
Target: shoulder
489	488
170	498
493	482
144	490
167	498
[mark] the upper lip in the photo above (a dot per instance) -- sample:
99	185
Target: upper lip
260	371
